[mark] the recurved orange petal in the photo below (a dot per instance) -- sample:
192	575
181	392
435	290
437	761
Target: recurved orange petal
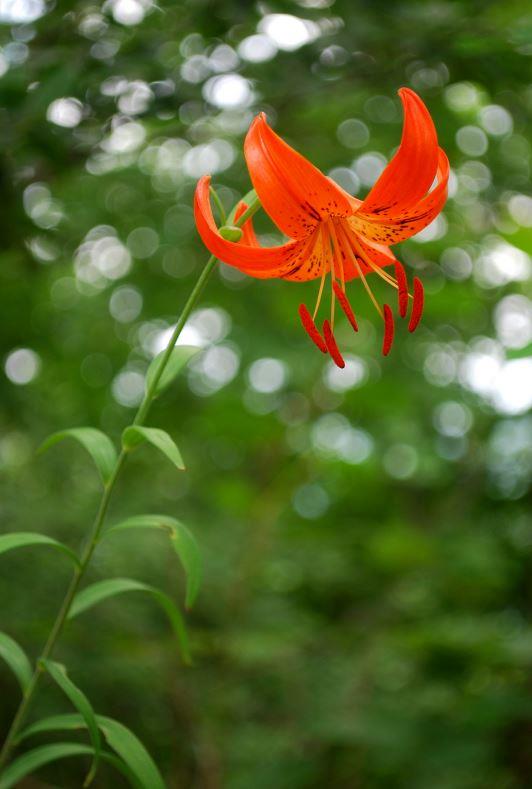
307	262
410	174
249	237
294	193
313	260
390	230
257	261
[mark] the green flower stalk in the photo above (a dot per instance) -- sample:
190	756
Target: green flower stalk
111	472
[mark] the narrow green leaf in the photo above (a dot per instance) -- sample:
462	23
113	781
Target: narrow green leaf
133	436
32	760
79	700
97	444
102	590
16	659
69	721
128	746
179	357
121	739
38	757
21	539
182	540
176	620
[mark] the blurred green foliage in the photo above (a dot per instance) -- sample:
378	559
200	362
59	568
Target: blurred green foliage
364	619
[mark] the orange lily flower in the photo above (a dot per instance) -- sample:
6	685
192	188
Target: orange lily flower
331	232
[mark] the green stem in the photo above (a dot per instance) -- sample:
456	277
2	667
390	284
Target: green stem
89	549
219	206
62	615
192	299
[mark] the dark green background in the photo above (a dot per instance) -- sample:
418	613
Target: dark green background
361	624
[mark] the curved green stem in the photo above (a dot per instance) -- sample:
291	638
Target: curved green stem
192	299
89	549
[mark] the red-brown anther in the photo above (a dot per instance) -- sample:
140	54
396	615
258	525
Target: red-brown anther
388	330
344	304
417	305
402	288
311	328
331	345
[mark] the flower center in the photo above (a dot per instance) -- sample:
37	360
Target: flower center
347	253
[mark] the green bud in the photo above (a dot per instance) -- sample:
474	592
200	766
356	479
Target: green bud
231	233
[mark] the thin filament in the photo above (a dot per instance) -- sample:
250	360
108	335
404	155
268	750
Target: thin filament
331	258
400	283
377	269
353	257
338	253
320	293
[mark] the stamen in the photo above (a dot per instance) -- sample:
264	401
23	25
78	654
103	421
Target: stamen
320	292
329	255
388	330
369	262
402	286
311	329
346	241
417	305
344	304
331	345
338	253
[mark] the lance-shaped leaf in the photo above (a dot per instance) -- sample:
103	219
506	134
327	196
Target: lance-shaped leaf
97	444
121	739
79	700
179	357
182	540
38	757
102	590
132	751
21	539
134	436
16	659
